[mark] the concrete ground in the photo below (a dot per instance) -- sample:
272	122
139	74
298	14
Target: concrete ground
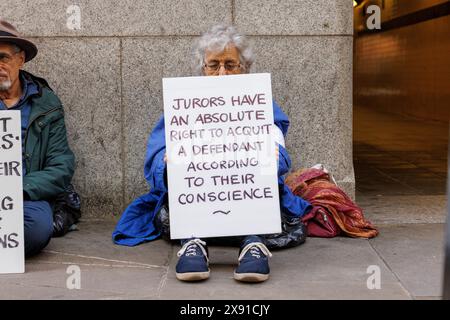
401	191
409	257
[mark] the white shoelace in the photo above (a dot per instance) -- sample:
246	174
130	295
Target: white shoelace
189	248
253	250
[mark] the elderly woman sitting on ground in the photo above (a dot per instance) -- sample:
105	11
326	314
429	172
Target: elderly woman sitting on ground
220	51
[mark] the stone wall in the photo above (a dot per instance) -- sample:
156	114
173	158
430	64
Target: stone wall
108	75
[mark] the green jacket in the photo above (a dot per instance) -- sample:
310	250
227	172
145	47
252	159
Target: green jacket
48	160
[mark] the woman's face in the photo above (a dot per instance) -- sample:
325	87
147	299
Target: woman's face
222	63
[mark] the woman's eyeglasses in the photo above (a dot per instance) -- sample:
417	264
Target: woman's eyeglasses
215	66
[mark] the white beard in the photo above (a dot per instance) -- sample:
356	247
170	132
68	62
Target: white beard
5	85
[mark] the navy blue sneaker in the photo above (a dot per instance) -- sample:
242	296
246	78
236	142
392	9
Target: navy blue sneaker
193	262
253	261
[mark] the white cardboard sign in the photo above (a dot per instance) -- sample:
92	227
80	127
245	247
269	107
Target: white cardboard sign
12	256
221	156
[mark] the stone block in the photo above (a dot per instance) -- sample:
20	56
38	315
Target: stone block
145	63
85	74
46	18
294	17
312	82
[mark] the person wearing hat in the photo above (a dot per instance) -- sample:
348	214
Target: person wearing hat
48	162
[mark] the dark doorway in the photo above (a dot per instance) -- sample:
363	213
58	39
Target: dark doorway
402	99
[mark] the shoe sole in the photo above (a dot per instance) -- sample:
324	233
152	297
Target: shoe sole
193	276
251	277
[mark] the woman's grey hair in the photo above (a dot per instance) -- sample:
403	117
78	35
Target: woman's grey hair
217	39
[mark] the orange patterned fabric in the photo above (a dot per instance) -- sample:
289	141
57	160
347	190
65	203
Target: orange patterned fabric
314	186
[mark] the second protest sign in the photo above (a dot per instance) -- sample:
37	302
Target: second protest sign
12	254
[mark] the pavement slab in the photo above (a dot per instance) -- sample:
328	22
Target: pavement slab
393	210
415	254
318	269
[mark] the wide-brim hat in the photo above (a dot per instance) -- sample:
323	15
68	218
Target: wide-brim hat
10	34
